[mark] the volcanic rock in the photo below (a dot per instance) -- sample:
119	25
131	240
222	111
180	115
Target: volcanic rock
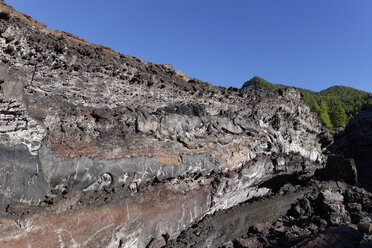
110	141
339	169
343	237
334	210
356	142
100	149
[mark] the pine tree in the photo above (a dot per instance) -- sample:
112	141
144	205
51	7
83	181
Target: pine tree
324	117
339	117
314	106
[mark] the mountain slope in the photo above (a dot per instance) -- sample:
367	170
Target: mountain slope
122	153
100	149
335	105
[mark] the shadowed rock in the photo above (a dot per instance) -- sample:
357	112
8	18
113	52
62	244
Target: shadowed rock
356	142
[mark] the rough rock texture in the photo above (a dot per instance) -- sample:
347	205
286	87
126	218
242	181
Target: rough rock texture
91	101
21	177
100	149
333	209
356	142
339	169
318	219
212	231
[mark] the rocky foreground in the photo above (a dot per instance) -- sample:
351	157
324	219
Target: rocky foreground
100	149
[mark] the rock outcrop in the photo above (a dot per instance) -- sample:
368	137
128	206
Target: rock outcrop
100	149
355	142
320	218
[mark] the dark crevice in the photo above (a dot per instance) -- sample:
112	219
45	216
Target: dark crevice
279	181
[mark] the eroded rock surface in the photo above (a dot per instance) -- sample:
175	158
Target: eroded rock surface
320	218
100	149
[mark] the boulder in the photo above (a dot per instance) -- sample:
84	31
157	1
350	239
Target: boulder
333	209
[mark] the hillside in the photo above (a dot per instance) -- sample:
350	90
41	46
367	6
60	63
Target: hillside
335	106
126	153
101	149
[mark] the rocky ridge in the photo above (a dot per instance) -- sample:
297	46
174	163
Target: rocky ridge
100	149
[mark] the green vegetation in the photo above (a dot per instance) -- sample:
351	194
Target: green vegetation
338	116
260	83
323	114
335	106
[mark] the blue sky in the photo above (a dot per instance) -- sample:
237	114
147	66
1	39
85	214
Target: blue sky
309	44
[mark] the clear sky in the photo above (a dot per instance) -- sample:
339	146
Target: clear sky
311	44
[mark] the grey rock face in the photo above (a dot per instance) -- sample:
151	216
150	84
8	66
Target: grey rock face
103	113
90	174
92	101
88	121
3	73
17	127
214	230
21	177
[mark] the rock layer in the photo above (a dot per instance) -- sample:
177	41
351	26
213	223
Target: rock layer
106	150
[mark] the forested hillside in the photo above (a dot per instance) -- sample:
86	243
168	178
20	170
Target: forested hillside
335	105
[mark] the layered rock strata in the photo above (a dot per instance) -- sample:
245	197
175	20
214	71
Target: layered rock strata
100	149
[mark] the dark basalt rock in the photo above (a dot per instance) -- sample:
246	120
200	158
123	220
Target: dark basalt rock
2	28
339	169
356	142
4	15
342	237
333	208
318	219
21	178
365	227
100	149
